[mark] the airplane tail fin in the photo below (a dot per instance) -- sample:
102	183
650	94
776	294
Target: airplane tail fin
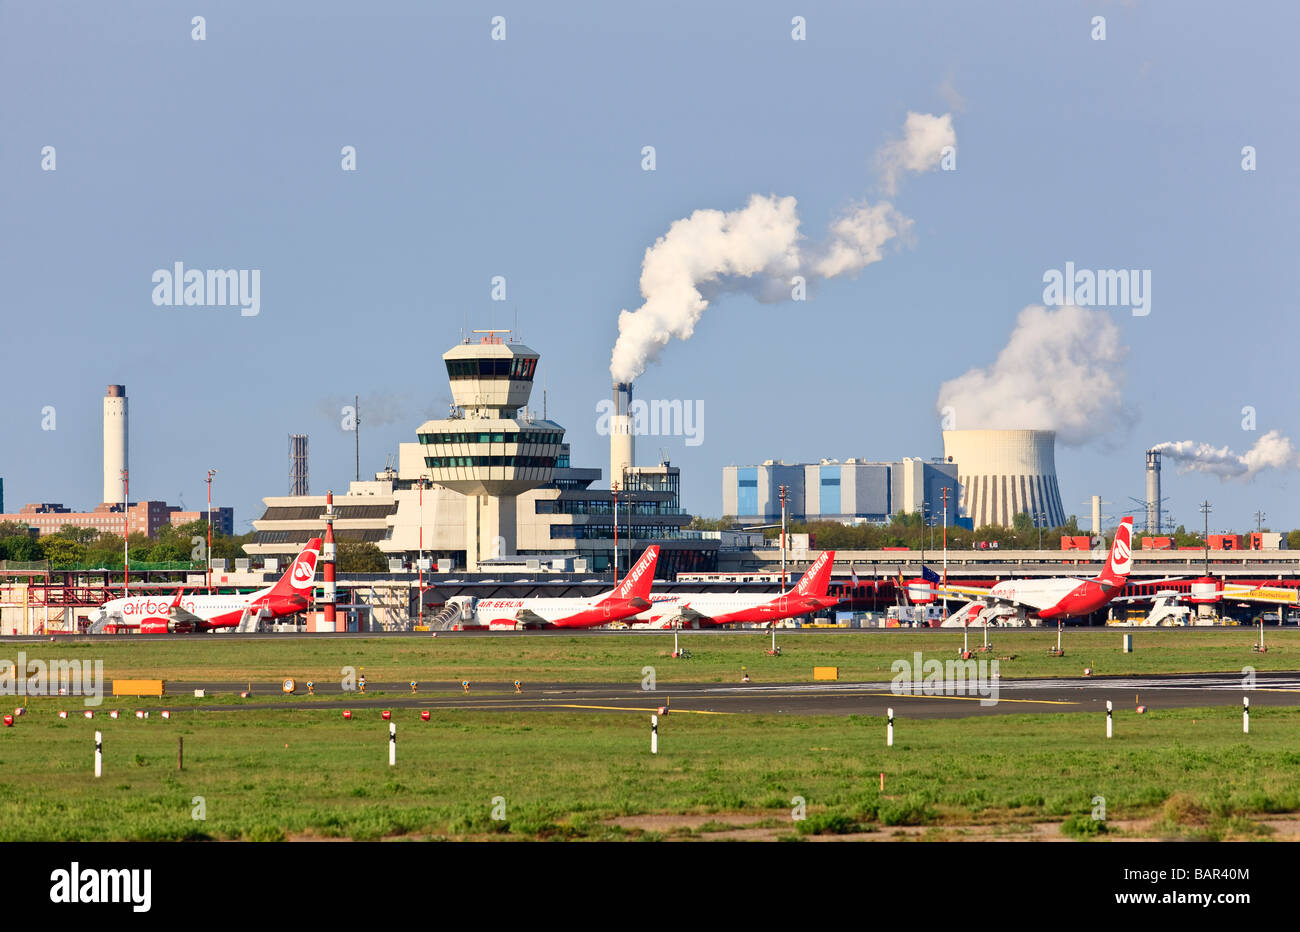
636	584
817	580
301	575
1120	561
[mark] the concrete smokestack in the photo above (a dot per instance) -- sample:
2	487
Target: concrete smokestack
622	450
1153	492
115	448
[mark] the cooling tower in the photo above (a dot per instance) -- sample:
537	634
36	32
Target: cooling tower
1006	472
115	450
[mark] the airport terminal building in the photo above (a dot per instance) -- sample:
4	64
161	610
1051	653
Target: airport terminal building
492	485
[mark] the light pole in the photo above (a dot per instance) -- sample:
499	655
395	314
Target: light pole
419	558
627	493
126	532
614	486
1205	510
925	506
211	473
1040	519
782	490
945	550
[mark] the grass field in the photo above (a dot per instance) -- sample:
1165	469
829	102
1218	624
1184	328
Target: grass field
860	657
267	775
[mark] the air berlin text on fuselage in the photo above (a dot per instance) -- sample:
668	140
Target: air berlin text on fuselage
160	608
241	288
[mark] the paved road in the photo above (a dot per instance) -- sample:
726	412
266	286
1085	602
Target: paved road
1013	696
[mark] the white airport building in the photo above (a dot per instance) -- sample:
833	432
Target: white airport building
491	486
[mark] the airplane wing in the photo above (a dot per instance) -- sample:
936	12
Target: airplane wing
182	617
530	619
960	592
985	597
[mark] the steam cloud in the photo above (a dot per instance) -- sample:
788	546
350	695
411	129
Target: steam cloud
1062	369
757	249
1272	450
924	138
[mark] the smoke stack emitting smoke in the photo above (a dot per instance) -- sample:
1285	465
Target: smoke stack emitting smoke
1062	369
756	249
1272	450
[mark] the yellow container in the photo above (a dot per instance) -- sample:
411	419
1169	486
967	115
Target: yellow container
137	687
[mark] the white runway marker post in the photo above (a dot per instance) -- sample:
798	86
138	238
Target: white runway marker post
889	729
1245	715
99	754
392	744
1109	720
654	734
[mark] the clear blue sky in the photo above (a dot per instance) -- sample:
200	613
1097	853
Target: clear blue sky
522	158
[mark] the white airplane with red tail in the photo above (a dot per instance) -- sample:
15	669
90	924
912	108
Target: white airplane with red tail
1049	599
626	599
161	614
711	609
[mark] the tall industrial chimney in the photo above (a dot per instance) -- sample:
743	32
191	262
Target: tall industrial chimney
115	450
298	482
622	451
1153	492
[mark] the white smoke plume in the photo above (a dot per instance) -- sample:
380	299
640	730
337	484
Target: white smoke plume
1271	451
924	138
757	249
1062	370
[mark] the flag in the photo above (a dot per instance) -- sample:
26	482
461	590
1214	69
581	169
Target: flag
928	574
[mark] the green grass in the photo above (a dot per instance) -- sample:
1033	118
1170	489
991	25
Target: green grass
268	775
392	662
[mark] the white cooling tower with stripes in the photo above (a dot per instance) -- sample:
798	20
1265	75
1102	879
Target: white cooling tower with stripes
1006	472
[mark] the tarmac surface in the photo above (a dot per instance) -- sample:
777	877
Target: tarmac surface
1000	697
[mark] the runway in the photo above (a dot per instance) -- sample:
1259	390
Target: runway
1076	694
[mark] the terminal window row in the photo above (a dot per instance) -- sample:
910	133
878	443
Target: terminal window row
496	436
448	462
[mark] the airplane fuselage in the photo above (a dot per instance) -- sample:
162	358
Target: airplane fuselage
1052	599
720	608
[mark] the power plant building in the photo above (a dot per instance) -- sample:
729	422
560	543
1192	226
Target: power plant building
108	517
852	491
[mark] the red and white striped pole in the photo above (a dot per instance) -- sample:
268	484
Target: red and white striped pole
328	551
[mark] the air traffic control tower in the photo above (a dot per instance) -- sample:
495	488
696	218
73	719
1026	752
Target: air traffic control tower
488	449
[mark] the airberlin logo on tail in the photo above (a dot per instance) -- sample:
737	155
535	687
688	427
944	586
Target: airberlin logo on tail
304	571
1121	559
